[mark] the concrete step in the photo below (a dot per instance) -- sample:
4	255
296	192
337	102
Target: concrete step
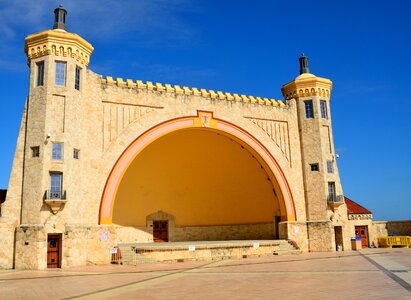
287	252
287	248
203	250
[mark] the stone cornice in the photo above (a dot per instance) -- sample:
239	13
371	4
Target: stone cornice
60	43
307	85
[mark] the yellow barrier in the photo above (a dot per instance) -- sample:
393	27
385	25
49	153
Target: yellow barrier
394	241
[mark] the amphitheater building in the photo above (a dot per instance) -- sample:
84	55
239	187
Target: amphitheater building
101	162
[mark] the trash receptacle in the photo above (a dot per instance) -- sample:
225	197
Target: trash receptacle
116	257
356	243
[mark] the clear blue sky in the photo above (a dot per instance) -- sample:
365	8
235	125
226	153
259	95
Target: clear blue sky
248	47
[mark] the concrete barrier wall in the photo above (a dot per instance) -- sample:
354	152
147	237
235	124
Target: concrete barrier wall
402	228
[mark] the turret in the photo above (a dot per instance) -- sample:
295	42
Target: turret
58	62
58	42
323	191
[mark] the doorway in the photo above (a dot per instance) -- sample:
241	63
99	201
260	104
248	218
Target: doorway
362	231
53	250
338	238
160	231
277	220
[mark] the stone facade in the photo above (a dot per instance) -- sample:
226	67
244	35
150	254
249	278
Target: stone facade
227	232
399	227
102	122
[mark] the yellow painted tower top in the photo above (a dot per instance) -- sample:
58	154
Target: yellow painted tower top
58	42
306	84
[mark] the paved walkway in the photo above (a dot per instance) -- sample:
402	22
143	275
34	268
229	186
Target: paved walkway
368	274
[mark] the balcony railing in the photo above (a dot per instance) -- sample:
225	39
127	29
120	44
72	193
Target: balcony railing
335	198
335	201
55	195
55	200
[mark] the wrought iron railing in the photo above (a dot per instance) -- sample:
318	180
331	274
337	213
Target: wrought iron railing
55	195
335	198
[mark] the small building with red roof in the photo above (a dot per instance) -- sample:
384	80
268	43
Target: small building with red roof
356	211
360	219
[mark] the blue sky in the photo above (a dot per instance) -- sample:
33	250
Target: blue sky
248	47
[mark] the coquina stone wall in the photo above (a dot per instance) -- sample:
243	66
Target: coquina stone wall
227	232
104	116
102	119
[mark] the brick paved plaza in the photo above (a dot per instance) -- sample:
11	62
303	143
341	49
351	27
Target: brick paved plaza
368	274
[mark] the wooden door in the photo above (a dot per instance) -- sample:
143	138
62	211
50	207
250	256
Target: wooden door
362	231
53	250
160	231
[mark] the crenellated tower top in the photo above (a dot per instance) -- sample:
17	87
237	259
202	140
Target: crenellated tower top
306	84
58	42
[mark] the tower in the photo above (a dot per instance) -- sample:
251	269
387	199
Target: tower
322	186
58	63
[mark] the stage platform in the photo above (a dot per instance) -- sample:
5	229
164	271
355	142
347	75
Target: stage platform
136	253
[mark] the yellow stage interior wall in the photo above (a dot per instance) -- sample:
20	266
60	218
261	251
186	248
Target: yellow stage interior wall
199	176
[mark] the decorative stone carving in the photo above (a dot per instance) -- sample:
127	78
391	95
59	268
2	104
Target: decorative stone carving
59	43
118	116
278	132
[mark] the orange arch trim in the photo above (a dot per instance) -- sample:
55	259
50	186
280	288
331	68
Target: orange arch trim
204	120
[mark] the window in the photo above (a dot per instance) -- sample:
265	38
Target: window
57	151
35	151
76	153
55	185
3	194
330	167
60	73
314	167
331	192
323	106
309	112
77	79
40	73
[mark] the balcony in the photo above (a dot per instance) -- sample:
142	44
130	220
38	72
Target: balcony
335	201
55	200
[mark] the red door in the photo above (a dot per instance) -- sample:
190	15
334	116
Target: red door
160	231
53	250
362	231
